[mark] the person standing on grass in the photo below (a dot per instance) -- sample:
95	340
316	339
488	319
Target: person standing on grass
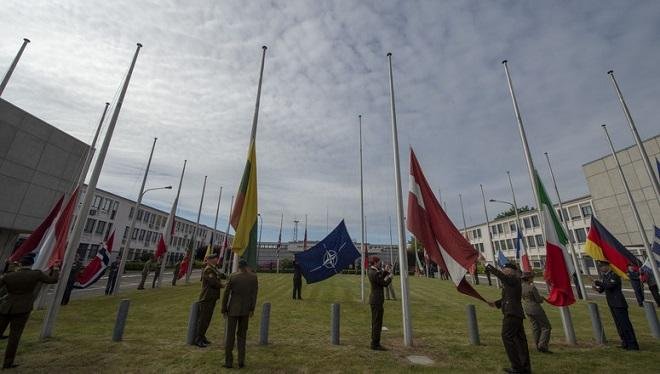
175	275
145	272
513	330
112	276
389	290
156	273
15	309
648	278
532	301
610	283
636	283
378	278
238	303
211	285
297	281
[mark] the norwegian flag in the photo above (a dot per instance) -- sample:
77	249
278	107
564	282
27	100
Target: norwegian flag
444	244
96	268
168	231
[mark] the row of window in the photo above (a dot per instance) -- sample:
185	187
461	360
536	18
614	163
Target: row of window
159	220
534	241
105	204
97	226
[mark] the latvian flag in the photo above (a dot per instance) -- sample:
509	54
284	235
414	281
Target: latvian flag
96	268
441	239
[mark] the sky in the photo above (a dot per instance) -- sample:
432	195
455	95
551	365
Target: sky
195	82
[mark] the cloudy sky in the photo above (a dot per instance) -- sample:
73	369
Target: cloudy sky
195	83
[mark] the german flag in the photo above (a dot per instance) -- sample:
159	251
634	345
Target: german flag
244	214
603	246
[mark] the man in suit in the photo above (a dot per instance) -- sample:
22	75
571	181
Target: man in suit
211	285
610	283
297	281
238	303
636	283
112	276
378	278
145	272
15	309
513	330
532	301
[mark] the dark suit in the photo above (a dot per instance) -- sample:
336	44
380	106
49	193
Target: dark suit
513	330
610	283
297	281
541	327
15	309
112	278
211	285
238	302
637	286
378	280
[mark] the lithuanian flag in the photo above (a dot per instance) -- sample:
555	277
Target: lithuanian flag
244	214
603	246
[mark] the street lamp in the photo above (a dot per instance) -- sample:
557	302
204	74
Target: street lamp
261	226
156	188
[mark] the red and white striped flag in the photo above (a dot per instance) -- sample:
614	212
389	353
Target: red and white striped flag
444	244
34	240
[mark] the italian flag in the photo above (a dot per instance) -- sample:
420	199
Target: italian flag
244	213
558	265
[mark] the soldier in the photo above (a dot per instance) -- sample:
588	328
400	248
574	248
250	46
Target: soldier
238	303
389	290
610	283
532	301
75	269
297	281
513	330
175	275
112	276
15	309
648	278
211	285
636	283
145	272
378	278
156	273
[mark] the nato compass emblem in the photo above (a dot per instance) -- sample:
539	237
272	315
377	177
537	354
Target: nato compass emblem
330	258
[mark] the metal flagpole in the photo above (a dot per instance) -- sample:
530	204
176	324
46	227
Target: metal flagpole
176	201
74	240
580	282
5	80
490	240
638	220
391	244
217	211
565	313
279	243
460	199
253	134
361	216
129	234
225	255
638	140
403	259
518	222
195	233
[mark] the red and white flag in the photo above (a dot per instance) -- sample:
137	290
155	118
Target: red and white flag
39	234
96	268
53	245
168	231
444	244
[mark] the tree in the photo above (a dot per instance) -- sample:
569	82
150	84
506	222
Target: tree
510	212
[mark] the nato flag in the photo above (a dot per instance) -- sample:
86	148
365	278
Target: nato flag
329	257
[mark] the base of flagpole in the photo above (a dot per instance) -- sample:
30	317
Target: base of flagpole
567	322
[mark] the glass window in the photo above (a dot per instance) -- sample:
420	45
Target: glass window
139	214
97	202
571	236
531	242
539	240
574	212
493	231
178	226
142	234
89	225
586	210
509	244
134	234
153	218
512	226
527	223
130	213
100	227
153	237
107	203
146	217
479	235
500	229
497	245
93	250
148	238
581	235
535	221
561	218
125	232
107	231
157	221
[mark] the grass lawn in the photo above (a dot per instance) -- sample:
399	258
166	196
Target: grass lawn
154	339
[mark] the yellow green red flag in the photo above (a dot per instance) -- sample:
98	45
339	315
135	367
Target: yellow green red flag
244	214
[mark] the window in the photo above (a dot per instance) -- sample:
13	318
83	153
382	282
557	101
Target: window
147	215
527	223
125	232
153	218
148	238
531	242
493	231
153	237
134	234
100	227
93	250
158	221
539	240
142	234
97	202
89	225
535	221
130	214
574	212
571	236
500	229
586	210
106	204
581	235
178	226
509	244
512	226
561	218
479	236
107	231
139	214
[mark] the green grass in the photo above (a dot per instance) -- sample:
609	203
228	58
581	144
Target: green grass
154	339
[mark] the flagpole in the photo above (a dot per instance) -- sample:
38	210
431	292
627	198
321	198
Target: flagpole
638	220
518	222
361	216
460	199
403	260
279	243
5	80
226	249
580	282
176	201
638	140
490	240
72	247
565	313
195	232
391	244
217	211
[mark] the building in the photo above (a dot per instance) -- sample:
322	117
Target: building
609	197
38	164
110	212
577	215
